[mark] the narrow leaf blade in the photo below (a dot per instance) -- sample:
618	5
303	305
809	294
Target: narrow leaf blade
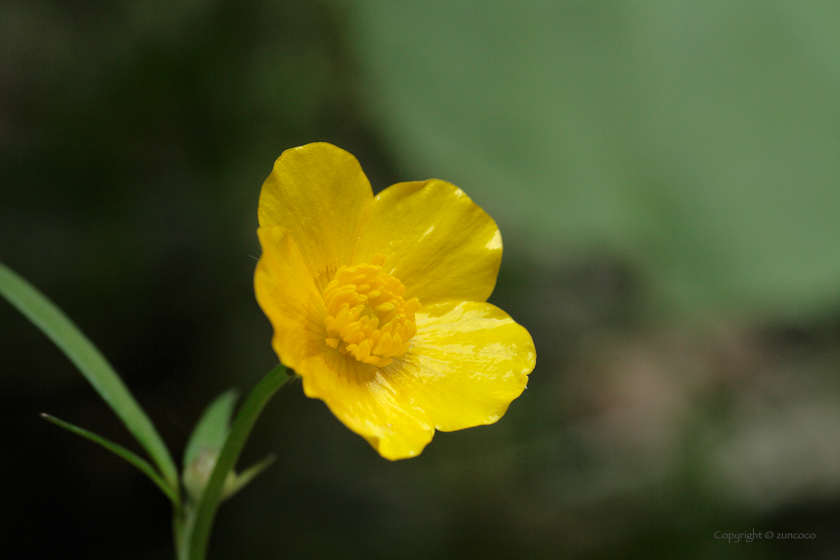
239	481
93	365
144	466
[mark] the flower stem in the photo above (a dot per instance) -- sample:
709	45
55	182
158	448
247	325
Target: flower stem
194	521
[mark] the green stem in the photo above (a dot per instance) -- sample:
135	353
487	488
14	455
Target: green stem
183	521
194	522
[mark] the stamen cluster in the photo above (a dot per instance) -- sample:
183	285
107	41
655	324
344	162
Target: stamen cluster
367	317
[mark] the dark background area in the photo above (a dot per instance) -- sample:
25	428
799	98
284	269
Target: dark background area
135	136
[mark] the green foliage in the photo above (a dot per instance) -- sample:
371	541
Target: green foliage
697	142
144	466
205	445
214	445
96	369
239	480
212	429
193	532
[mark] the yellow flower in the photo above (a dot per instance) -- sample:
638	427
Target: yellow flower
379	303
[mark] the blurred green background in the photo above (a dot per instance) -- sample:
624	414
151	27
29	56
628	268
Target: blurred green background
666	176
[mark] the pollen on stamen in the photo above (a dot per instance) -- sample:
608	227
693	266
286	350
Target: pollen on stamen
367	317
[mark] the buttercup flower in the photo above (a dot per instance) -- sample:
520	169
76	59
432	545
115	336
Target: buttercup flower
379	303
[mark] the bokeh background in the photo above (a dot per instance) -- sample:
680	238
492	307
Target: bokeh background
666	176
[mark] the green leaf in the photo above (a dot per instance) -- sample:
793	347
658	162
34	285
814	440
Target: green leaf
212	429
93	365
144	466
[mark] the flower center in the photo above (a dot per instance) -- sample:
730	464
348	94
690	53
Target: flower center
367	317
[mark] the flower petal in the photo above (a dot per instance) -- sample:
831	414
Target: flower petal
288	296
468	361
367	402
436	241
320	193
